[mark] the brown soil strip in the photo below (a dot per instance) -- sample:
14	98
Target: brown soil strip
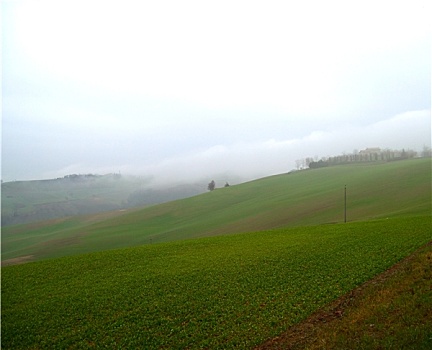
300	335
17	261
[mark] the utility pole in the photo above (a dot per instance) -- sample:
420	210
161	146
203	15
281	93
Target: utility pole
345	211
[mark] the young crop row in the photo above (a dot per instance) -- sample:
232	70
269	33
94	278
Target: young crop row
222	292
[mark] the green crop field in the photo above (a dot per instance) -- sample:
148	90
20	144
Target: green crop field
232	268
312	197
232	291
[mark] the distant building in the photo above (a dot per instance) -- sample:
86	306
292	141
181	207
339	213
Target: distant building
375	150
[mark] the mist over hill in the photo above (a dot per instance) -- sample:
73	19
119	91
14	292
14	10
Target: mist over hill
374	190
82	194
32	201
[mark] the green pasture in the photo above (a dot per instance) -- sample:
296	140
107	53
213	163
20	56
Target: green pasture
230	291
310	197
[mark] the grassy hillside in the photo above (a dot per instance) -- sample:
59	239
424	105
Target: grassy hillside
30	201
34	201
375	190
232	291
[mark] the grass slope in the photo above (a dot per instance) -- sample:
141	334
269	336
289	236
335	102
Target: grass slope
219	292
34	201
31	201
375	190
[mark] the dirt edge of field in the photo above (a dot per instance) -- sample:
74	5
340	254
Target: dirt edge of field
301	335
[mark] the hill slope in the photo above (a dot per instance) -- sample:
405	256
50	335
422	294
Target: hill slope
310	197
34	201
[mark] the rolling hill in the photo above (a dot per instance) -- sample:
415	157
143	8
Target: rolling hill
295	259
39	200
310	197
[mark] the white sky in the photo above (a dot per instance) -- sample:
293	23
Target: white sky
190	89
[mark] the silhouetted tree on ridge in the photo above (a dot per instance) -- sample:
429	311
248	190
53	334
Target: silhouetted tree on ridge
211	186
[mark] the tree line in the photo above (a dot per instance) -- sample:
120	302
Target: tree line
367	155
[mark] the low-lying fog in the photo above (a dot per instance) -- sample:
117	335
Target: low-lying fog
191	90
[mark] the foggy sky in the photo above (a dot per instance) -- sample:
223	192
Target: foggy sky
194	89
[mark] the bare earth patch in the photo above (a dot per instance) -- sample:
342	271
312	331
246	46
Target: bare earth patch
17	261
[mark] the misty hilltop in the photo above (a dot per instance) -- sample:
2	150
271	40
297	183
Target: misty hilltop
84	194
32	201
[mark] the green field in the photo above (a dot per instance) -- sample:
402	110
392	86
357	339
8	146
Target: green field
312	197
233	268
222	292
